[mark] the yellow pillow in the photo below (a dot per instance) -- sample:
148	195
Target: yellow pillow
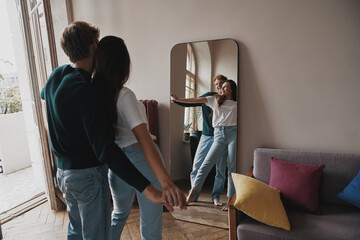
259	201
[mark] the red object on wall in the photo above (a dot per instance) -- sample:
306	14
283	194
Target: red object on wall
152	117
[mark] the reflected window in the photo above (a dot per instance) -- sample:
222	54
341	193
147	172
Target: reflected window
190	87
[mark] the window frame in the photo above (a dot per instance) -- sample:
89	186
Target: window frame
190	87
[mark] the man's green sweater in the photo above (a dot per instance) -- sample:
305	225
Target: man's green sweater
80	132
208	129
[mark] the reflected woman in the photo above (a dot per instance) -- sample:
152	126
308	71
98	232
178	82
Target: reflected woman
224	121
206	140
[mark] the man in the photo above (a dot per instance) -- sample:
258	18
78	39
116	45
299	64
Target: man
83	140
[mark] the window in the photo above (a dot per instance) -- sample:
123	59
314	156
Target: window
191	116
38	34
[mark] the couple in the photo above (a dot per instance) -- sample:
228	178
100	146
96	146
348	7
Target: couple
218	140
96	122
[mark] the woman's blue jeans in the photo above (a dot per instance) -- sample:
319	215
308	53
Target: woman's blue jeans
87	195
123	196
224	140
200	155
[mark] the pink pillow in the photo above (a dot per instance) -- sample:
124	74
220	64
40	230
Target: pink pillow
298	183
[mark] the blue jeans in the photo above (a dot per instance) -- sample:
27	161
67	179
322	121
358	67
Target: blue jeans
200	155
224	140
123	197
87	195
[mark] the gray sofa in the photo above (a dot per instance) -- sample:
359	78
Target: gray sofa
338	219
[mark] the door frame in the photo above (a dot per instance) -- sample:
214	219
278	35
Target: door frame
30	12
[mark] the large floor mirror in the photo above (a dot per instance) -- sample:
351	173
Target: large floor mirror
193	68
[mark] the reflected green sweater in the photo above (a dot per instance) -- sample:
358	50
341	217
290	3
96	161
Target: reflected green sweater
80	133
208	129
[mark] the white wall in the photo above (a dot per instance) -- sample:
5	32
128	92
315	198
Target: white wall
14	148
299	63
224	54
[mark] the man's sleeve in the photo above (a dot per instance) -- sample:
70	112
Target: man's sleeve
195	104
129	111
188	104
42	94
102	140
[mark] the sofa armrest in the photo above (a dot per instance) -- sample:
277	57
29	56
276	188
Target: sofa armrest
232	212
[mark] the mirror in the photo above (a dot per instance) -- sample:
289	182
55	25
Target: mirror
193	67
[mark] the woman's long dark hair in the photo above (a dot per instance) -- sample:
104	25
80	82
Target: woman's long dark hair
112	70
221	98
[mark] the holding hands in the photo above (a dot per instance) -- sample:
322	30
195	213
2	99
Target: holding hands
170	197
173	196
173	97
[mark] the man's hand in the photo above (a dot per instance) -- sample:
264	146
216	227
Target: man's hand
155	196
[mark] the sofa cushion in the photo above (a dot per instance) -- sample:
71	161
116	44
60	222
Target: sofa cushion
335	222
351	193
259	201
298	183
339	169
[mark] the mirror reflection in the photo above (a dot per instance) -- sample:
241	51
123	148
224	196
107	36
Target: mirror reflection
198	73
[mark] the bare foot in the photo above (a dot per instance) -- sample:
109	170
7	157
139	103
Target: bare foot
225	208
217	202
191	196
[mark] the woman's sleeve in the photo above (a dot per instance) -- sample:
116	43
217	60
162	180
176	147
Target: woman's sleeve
128	109
101	137
211	101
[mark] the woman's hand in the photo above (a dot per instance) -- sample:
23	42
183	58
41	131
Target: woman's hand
173	97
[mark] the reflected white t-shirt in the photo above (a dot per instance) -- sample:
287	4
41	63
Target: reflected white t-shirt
226	115
131	113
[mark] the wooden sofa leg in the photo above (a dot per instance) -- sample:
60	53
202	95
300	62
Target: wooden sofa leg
232	213
232	219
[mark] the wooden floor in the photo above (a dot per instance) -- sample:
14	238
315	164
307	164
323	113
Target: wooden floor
41	223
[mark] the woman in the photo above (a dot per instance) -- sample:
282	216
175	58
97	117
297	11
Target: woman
112	68
224	121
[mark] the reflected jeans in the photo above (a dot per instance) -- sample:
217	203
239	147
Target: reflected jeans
224	140
87	195
123	197
202	150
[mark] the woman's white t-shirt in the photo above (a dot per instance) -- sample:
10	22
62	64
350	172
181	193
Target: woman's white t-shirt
225	115
131	113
